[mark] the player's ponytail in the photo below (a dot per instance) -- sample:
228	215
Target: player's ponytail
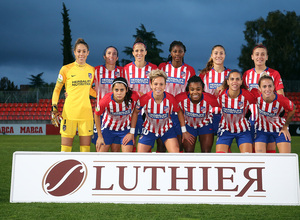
80	41
139	40
127	98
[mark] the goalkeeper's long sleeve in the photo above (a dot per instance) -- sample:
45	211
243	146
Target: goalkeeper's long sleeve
56	93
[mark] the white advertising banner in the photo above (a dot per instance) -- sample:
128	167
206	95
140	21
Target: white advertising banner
22	129
257	179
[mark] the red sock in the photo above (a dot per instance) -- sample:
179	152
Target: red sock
229	151
134	149
220	152
271	151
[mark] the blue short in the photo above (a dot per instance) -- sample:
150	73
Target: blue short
176	124
148	138
269	137
115	137
226	137
139	125
253	133
95	136
207	129
216	120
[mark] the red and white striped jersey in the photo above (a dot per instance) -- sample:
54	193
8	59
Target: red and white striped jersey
177	77
213	79
251	78
158	116
104	79
138	78
200	114
234	111
268	119
117	116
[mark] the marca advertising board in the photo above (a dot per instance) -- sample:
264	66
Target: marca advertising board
264	179
23	129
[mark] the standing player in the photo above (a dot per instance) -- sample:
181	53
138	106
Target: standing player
269	125
235	101
77	111
137	74
213	75
105	75
117	107
251	77
197	108
178	74
158	106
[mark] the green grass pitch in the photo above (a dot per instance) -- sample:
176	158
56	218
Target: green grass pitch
10	144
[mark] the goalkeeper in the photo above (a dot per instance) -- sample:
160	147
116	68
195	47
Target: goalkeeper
77	111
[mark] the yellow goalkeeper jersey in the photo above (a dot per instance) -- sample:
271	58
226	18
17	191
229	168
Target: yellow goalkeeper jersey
78	80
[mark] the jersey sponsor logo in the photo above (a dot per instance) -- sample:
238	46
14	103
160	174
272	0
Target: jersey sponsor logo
81	83
195	115
214	85
60	78
253	85
158	116
232	111
175	80
139	81
127	112
106	81
269	114
73	75
90	75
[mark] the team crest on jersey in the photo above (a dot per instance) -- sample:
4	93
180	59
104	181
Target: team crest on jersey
241	104
274	109
147	73
117	74
182	74
64	127
90	75
202	109
166	108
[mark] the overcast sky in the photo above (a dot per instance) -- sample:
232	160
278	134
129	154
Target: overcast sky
32	30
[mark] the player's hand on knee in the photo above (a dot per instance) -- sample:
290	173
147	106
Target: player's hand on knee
99	143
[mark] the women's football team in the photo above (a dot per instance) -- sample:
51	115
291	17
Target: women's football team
142	103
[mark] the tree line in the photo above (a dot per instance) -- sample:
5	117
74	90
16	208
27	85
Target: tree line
279	32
